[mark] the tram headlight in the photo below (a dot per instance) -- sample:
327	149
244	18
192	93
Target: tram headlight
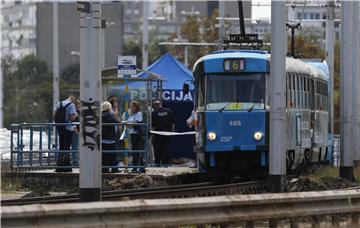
258	136
211	136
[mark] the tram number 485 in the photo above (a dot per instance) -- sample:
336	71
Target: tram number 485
235	123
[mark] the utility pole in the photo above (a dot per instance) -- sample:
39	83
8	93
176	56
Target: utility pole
1	99
356	84
292	27
90	96
103	30
346	89
277	153
186	58
330	35
241	18
55	55
221	21
145	47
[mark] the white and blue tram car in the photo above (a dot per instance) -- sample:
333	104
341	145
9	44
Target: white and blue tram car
232	107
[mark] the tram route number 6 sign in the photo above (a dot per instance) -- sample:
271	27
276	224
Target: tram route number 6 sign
126	66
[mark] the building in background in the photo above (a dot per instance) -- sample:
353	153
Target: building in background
18	29
166	17
313	14
27	28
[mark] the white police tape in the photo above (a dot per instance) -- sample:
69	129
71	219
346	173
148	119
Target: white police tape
170	133
165	133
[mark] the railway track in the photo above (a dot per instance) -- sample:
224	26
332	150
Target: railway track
176	191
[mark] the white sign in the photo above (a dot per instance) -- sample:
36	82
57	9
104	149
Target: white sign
126	65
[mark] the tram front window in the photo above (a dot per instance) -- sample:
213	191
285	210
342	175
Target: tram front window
235	92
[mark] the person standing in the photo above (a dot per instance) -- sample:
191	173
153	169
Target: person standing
114	105
115	109
162	120
108	133
75	137
135	116
67	112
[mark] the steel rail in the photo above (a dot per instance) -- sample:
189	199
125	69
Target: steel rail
189	211
176	191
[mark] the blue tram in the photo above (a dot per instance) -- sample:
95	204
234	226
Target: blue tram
232	108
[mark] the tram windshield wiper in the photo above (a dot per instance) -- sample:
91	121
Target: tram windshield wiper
225	106
252	107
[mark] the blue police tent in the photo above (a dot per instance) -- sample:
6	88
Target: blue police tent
175	73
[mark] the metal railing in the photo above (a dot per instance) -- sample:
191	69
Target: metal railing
271	208
36	145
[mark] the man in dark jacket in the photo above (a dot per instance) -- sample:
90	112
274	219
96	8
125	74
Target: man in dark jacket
162	120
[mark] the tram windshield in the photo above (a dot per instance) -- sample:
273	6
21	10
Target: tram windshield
235	92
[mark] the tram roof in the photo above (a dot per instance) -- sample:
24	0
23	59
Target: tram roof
223	54
305	67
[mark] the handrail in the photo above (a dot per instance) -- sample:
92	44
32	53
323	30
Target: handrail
188	211
42	153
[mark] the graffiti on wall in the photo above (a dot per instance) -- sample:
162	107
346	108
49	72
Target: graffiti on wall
90	123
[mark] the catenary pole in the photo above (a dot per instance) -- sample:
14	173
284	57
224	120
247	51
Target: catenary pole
356	83
330	33
186	57
145	48
277	156
90	93
55	55
221	21
103	30
1	94
346	101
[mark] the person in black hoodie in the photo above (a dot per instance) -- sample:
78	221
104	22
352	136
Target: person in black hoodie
108	136
162	120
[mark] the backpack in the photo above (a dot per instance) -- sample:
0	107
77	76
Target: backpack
60	116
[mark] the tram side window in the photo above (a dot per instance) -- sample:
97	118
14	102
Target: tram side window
317	96
303	91
294	90
321	95
287	90
326	96
307	92
311	94
298	99
299	90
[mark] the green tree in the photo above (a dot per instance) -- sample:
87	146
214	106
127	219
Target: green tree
307	47
70	80
155	50
27	89
210	32
190	32
197	30
133	48
337	88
